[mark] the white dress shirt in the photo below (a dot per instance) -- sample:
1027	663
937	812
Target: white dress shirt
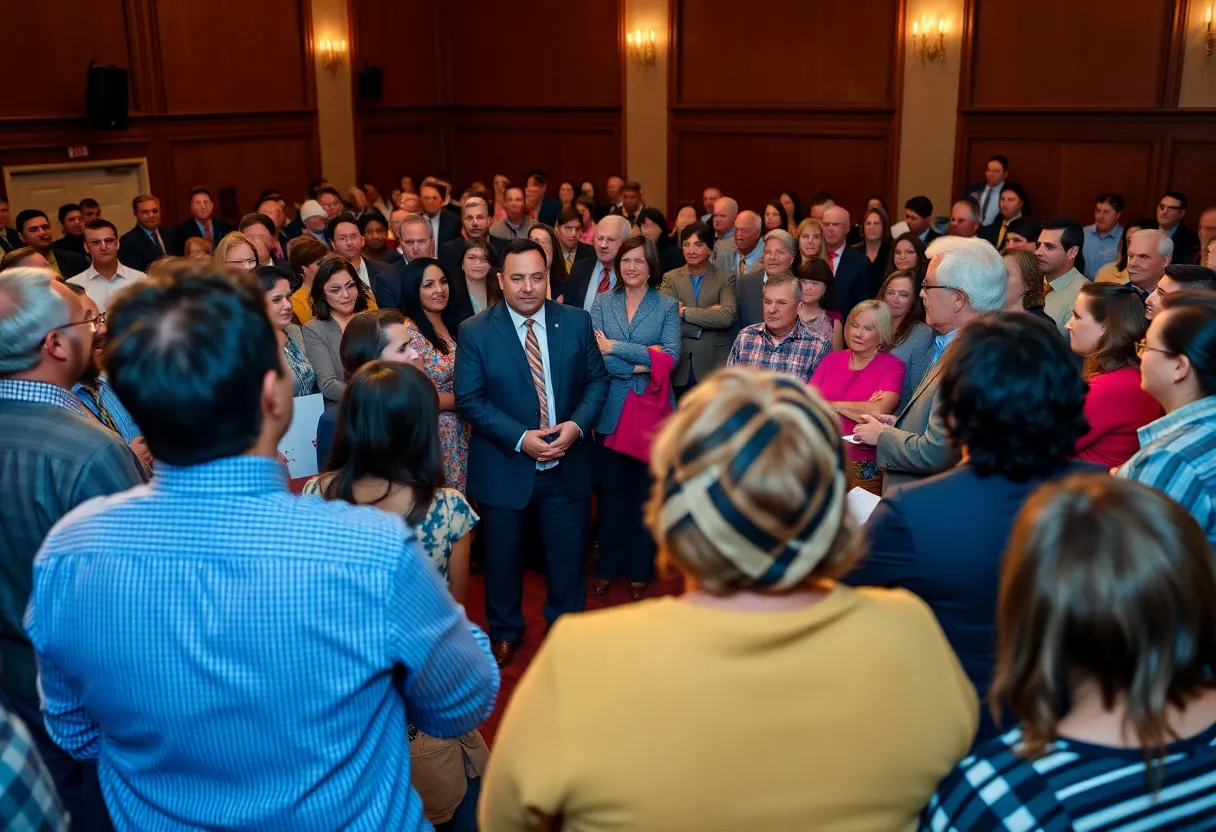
363	275
597	274
434	223
542	341
991	211
100	288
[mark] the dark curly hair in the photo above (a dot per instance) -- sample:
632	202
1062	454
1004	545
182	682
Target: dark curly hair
1013	396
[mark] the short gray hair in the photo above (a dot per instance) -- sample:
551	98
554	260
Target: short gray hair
752	217
972	208
785	237
784	279
29	309
625	227
973	267
1165	244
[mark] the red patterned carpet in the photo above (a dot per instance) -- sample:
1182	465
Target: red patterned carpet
534	598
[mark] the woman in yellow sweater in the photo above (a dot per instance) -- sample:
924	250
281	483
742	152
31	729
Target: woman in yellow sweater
768	696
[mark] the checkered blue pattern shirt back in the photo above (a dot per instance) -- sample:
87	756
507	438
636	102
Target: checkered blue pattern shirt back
238	657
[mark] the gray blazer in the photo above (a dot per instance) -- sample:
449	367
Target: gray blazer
706	334
916	352
321	342
917	446
656	321
751	299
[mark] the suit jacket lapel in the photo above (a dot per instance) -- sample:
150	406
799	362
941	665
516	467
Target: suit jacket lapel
643	310
555	335
930	377
709	286
502	322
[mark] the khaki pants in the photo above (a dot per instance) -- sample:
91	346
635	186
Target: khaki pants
439	768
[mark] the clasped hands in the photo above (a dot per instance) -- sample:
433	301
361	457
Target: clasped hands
870	426
536	446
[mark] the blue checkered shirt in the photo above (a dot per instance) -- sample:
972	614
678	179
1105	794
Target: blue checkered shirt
28	800
237	657
1177	457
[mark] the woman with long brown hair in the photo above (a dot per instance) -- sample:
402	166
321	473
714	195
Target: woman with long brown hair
1024	285
912	339
1106	645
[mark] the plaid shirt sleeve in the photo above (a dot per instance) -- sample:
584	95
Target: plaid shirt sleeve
27	795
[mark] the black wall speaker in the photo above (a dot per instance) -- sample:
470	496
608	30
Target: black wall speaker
371	83
106	98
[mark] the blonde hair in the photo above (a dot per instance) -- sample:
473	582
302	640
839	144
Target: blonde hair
811	222
230	241
750	479
882	315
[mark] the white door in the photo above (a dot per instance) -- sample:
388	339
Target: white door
46	187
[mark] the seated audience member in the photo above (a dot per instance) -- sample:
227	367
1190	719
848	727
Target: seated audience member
236	251
1022	235
546	238
197	248
1107	323
517	222
432	325
286	577
148	241
1057	251
911	337
1178	368
817	309
314	220
809	235
782	343
966	280
1024	284
633	324
1011	403
777	255
653	226
569	224
30	799
34	229
744	252
395	218
479	267
105	274
416	242
374	228
595	277
90	209
587	211
475	225
908	254
347	240
1011	204
1148	253
864	378
71	220
1102	238
1170	211
965	218
259	228
1105	650
767	650
1116	272
918	216
55	456
304	256
336	298
1179	278
370	336
276	284
722	221
686	215
856	279
774	216
565	193
400	471
203	224
793	211
706	304
24	257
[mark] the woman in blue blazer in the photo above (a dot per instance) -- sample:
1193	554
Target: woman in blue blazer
628	320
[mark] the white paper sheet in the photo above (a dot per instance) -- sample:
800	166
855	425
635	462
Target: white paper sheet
299	444
861	503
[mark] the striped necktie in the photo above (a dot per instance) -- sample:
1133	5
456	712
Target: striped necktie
103	413
537	365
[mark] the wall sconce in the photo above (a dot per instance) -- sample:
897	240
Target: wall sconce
929	45
1209	40
641	48
332	53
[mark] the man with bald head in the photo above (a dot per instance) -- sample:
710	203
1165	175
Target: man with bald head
851	268
745	254
725	212
55	455
1149	251
965	218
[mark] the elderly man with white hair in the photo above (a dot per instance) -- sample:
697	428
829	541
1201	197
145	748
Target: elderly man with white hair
725	212
965	280
55	455
594	276
1149	251
777	256
744	255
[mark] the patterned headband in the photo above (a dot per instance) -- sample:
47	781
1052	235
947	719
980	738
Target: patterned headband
775	552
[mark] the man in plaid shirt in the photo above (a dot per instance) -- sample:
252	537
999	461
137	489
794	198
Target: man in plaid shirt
27	795
782	343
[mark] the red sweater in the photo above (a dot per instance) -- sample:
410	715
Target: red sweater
1116	408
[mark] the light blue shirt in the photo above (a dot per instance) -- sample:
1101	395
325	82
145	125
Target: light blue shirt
234	656
126	425
542	341
992	211
593	287
940	343
696	284
1100	249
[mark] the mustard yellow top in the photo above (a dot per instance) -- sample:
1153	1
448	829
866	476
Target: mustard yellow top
665	715
1109	273
301	305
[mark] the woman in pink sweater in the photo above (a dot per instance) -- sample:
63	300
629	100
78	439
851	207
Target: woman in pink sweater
1107	321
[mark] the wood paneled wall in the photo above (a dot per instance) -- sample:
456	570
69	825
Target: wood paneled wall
480	87
1098	113
770	98
222	94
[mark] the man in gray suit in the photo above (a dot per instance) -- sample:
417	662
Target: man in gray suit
706	295
965	280
778	257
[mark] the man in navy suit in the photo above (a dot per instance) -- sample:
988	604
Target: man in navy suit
202	223
544	209
444	224
530	381
475	222
147	242
850	266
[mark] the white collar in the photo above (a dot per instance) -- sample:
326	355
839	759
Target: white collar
517	320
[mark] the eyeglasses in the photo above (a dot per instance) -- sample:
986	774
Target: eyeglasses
247	265
1142	347
935	286
91	323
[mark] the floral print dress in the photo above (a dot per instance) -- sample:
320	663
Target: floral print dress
453	432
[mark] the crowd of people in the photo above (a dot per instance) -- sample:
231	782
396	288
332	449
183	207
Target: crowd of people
1020	635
